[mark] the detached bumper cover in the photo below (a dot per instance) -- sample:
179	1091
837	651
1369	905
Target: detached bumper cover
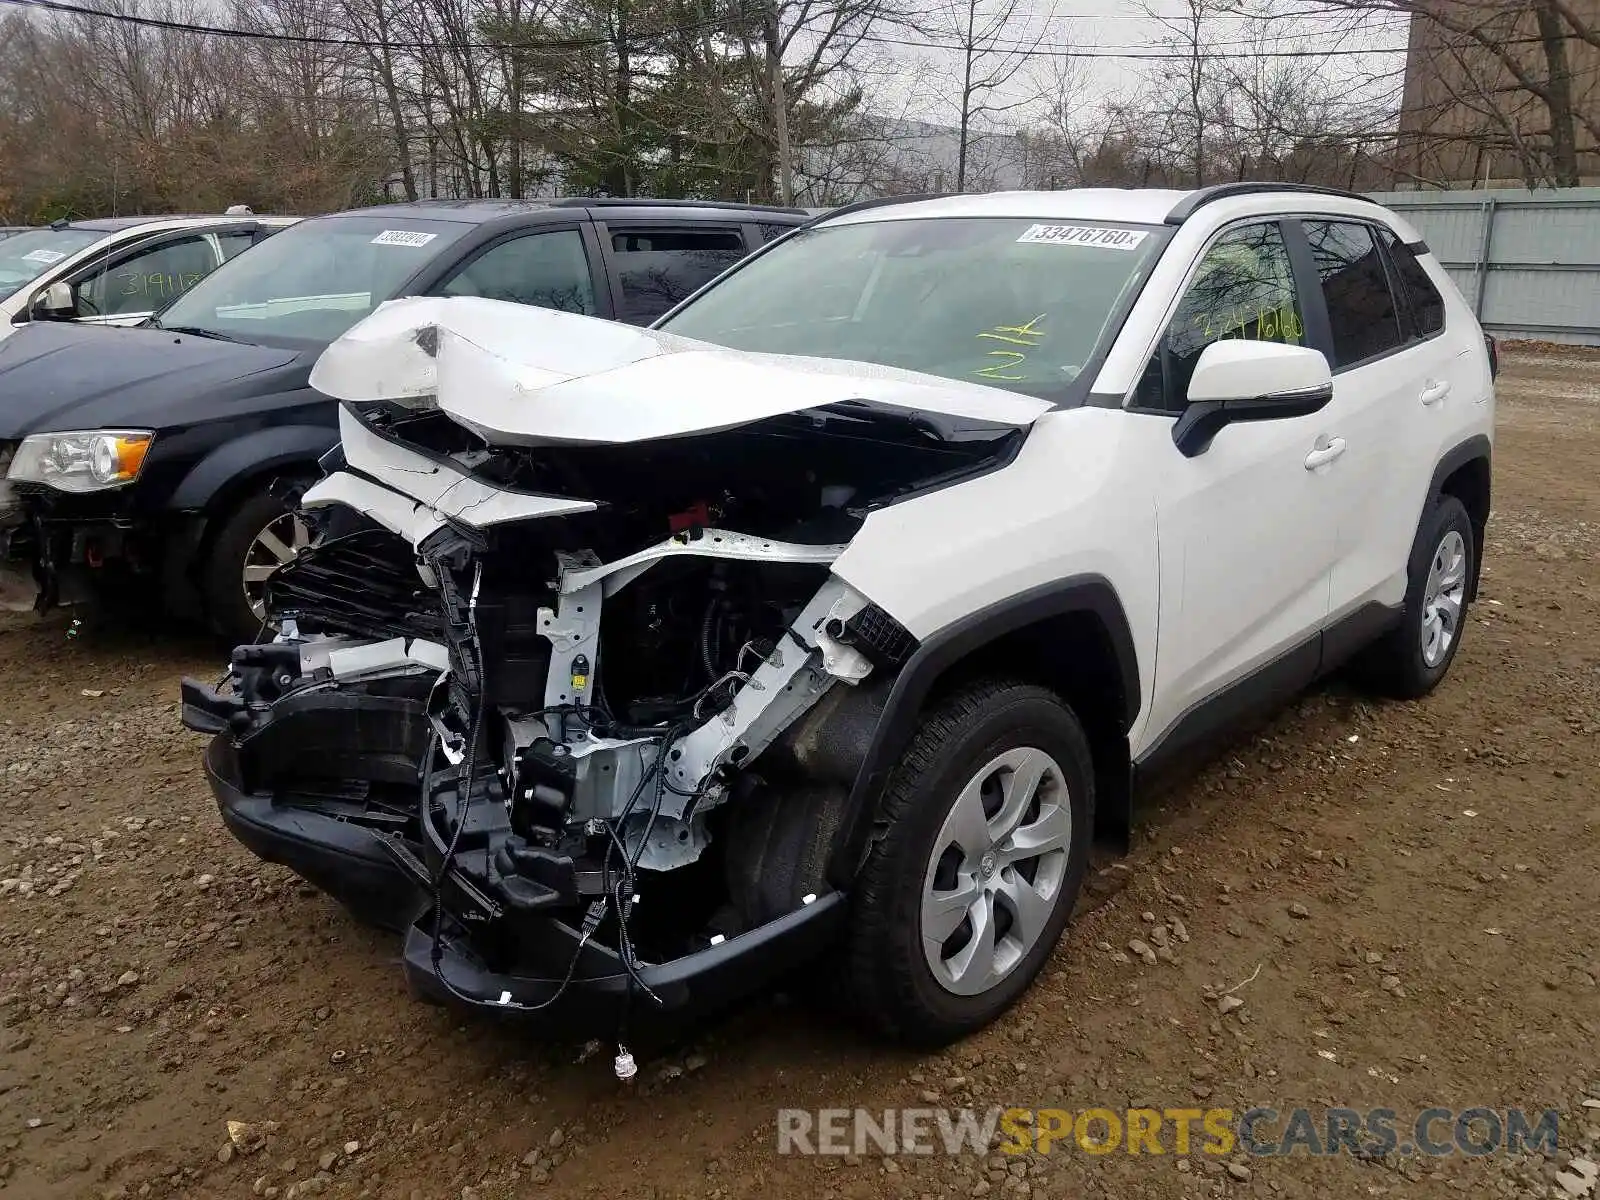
347	861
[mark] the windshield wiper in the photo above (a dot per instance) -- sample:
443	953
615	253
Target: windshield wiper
196	331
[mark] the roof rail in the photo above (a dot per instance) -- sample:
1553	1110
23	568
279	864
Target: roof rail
876	202
652	202
1199	198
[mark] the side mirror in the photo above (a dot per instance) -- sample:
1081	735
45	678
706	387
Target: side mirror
54	303
1239	380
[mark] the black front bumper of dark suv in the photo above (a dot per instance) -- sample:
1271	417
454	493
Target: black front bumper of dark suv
382	873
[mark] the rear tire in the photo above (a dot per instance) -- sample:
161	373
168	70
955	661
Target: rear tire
985	831
253	537
1413	658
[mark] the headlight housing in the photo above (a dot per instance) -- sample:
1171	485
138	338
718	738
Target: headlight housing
82	461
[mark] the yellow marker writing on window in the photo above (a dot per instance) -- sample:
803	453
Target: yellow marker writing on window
1027	336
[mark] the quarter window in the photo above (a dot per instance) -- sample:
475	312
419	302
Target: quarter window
546	270
1243	288
1361	308
659	267
1427	305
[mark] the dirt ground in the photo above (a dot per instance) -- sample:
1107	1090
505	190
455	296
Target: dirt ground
1410	889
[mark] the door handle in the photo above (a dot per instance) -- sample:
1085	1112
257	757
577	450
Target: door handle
1433	392
1325	453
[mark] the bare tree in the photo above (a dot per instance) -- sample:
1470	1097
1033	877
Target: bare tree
994	43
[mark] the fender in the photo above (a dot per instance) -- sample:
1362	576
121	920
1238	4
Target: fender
943	650
1475	447
251	454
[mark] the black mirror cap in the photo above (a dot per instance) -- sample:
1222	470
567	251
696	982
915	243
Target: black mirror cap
1200	422
1493	347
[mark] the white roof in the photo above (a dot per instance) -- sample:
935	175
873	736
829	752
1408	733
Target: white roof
1142	206
1147	206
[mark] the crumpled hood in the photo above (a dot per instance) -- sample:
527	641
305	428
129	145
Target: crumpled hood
58	375
519	375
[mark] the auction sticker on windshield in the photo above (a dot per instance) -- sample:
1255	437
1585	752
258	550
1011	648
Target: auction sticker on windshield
403	237
43	256
1084	235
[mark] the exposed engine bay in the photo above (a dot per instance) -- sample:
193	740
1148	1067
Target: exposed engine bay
575	713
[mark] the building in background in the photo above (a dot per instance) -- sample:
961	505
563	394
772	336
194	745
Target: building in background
1484	102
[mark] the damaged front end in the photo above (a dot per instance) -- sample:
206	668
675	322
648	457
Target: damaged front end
578	708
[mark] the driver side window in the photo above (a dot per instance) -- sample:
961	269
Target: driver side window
147	279
1243	288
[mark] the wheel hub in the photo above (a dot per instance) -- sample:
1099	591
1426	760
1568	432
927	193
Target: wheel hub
995	872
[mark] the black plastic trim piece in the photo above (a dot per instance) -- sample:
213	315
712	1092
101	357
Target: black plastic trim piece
1475	447
1355	631
1196	200
345	860
1418	247
1266	687
690	988
943	650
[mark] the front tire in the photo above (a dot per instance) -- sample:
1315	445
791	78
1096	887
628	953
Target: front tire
259	535
1414	657
985	831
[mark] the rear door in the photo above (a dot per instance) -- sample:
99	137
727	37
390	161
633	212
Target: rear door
656	263
1385	380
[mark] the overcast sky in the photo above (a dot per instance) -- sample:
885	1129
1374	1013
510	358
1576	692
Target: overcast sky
1112	26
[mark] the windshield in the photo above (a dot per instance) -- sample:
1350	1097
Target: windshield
310	282
25	256
1012	303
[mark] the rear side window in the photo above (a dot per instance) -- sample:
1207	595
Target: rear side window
1361	308
1427	306
770	231
659	267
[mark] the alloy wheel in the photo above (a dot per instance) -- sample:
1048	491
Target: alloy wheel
277	544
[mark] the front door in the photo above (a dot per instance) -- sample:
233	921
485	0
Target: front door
1245	530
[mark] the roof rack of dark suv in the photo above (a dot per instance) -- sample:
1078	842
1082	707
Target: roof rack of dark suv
655	202
1200	197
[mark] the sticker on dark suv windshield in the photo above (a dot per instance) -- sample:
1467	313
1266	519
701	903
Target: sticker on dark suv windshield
1098	237
403	237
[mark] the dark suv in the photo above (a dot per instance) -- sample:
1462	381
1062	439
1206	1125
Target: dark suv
175	451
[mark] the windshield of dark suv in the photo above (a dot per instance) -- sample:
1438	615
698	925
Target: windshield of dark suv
1015	303
312	281
26	256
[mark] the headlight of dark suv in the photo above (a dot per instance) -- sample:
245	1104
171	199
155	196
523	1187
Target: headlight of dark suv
82	461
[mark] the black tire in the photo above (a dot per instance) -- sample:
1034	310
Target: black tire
888	981
222	573
1395	665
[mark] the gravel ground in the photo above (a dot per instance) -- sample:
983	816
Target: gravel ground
1409	889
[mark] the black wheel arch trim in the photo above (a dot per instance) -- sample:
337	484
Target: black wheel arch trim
940	652
251	455
1478	446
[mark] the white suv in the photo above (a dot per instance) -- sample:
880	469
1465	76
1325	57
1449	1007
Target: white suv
117	270
832	615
